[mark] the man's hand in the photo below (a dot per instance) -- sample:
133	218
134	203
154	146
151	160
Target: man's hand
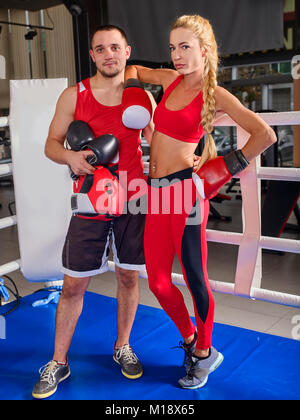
78	164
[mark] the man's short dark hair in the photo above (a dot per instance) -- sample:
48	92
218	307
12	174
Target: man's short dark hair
108	28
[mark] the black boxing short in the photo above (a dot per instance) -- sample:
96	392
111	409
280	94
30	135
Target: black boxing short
88	242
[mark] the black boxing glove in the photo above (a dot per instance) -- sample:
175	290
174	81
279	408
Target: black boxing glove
105	148
79	134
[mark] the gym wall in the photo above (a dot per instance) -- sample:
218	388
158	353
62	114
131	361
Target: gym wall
58	45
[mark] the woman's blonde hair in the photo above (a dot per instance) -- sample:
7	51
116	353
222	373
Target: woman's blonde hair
204	32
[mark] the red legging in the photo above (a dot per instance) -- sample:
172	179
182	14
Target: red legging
168	231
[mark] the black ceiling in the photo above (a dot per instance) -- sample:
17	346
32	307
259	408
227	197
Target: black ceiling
32	5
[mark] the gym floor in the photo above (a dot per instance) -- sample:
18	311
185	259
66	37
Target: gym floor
279	273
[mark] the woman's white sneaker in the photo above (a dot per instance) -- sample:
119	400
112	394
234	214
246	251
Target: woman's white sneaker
199	370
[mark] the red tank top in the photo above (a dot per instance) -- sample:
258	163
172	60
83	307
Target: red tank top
185	124
108	120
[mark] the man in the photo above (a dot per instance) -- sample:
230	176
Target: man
97	101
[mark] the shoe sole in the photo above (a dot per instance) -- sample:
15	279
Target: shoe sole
212	369
127	375
48	394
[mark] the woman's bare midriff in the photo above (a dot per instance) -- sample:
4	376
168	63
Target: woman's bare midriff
168	155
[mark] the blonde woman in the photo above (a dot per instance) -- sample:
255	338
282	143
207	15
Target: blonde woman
185	113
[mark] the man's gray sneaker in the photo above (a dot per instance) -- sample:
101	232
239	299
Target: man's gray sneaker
200	369
51	375
130	365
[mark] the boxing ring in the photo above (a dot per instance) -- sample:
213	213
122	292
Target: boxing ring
34	223
42	191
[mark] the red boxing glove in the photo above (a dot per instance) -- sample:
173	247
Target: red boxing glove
100	193
217	172
137	107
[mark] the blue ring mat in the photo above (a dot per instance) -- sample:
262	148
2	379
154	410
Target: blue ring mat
256	366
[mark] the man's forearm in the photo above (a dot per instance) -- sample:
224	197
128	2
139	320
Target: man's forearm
55	151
